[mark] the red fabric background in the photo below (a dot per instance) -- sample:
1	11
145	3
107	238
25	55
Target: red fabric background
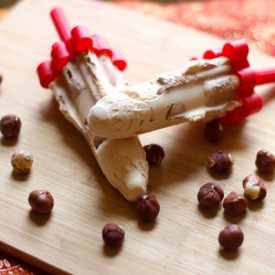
230	19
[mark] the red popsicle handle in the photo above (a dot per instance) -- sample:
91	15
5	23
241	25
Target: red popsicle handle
82	39
118	60
265	76
45	73
62	26
101	46
60	56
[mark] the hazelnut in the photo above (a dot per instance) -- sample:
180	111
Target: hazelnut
231	237
265	162
220	162
154	153
210	195
147	208
213	131
10	126
41	201
22	162
234	203
254	188
112	234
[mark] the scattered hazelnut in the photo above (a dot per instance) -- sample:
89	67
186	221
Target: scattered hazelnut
213	131
254	188
147	208
22	162
10	126
231	237
154	153
210	195
41	201
112	234
220	162
234	203
265	162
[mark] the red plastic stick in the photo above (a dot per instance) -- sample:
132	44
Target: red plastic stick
45	73
101	46
62	26
82	38
265	76
118	60
60	56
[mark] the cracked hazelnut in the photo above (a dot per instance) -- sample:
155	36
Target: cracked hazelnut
147	208
10	126
213	131
254	188
210	195
112	234
21	162
234	203
41	201
220	162
154	153
231	237
265	162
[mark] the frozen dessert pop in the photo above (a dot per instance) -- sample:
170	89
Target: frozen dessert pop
218	85
85	75
82	70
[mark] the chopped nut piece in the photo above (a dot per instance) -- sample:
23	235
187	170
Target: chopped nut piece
148	208
10	126
21	162
41	201
210	195
220	162
213	131
265	162
254	188
231	237
154	153
234	203
112	234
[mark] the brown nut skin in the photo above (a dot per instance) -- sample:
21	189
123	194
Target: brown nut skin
231	237
147	208
234	204
254	188
220	162
41	201
10	126
21	162
210	195
213	131
265	162
113	235
154	153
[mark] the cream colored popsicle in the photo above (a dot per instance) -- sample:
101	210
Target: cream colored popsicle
84	81
200	91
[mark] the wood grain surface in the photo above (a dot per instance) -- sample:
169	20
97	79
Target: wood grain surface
184	238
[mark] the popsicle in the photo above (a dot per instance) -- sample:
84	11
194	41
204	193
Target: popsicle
218	85
83	69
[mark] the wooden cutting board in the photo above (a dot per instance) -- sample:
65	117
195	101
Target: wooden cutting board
184	239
